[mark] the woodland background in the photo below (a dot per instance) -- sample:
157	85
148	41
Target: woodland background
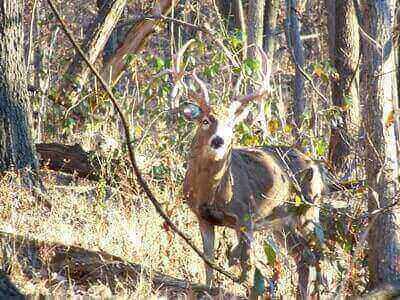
78	223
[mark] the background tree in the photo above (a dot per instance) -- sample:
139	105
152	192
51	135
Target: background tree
271	10
95	40
344	53
296	48
255	31
233	12
379	89
16	148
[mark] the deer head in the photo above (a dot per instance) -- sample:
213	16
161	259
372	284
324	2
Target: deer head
214	135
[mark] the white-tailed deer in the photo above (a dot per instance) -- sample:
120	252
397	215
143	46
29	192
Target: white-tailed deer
247	189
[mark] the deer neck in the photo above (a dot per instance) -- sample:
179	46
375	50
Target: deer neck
207	181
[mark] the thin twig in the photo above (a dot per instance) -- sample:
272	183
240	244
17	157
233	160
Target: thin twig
131	153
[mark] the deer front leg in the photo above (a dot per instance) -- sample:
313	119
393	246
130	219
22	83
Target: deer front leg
241	252
208	237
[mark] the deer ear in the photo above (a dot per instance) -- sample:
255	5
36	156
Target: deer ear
234	117
191	111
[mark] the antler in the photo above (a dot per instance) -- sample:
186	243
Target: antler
203	99
244	100
265	88
177	71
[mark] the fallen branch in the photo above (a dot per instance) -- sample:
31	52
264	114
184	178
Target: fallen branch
69	159
131	153
81	267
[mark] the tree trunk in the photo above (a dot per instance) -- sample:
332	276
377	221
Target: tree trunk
134	41
255	28
8	289
345	57
269	40
94	42
296	47
270	17
330	8
16	148
396	42
255	21
116	36
378	91
232	11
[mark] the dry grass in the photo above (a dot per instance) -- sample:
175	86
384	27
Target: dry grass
118	220
122	222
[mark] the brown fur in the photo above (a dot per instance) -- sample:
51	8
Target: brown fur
249	189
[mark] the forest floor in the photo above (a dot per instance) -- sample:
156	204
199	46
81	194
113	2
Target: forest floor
92	226
115	221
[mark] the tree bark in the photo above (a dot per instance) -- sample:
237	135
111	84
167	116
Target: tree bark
345	57
296	46
330	8
255	22
94	42
255	30
16	148
378	89
271	10
396	42
134	41
232	11
270	21
8	289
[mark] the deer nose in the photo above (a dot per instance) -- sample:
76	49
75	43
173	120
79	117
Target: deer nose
217	142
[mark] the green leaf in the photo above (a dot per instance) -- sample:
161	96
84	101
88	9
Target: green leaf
68	123
212	70
251	65
129	58
236	70
259	282
159	63
347	246
297	200
246	217
321	147
270	253
347	100
236	42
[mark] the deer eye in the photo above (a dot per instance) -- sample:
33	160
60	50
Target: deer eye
205	124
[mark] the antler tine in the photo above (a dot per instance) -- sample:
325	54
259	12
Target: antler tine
203	87
264	89
177	73
179	55
244	100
